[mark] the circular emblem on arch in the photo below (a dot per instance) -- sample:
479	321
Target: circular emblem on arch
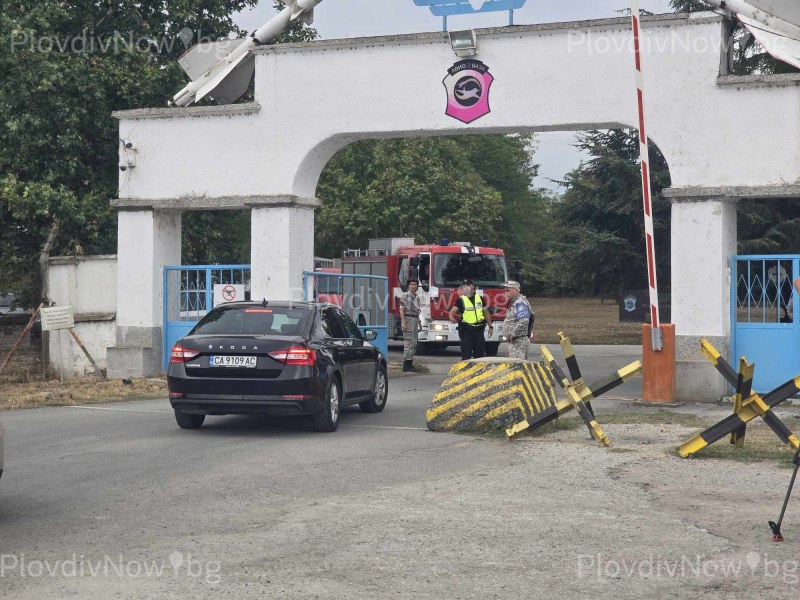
468	83
468	91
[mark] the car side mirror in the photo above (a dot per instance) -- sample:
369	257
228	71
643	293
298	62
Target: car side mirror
370	335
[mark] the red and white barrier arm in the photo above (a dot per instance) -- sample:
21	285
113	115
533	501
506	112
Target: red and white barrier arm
646	189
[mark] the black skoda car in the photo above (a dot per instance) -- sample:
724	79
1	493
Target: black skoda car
276	358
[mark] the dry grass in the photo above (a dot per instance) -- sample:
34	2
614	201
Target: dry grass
760	444
77	391
584	320
651	417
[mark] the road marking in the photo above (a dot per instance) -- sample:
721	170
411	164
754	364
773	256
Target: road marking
152	412
386	427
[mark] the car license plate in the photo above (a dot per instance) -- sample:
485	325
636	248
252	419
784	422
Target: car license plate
247	362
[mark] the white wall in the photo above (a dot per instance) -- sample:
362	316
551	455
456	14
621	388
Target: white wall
89	285
316	98
147	241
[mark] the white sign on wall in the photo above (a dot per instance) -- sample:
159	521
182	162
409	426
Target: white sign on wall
57	317
228	292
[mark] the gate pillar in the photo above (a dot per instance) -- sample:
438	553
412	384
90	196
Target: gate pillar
703	242
147	240
281	246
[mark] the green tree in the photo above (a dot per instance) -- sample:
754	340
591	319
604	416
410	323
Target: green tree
423	188
506	163
689	6
468	188
748	56
768	226
603	247
65	66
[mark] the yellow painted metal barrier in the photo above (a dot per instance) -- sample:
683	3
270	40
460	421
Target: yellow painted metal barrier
579	395
517	395
748	405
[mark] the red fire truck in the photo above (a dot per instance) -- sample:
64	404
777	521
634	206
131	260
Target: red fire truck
440	268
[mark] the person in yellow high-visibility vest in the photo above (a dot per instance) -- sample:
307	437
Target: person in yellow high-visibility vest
472	315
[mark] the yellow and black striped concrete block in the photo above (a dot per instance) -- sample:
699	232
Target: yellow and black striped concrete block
491	393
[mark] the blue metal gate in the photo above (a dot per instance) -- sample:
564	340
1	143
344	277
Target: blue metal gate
765	319
365	298
189	295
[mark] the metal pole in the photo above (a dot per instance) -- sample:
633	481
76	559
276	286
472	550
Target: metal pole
646	187
60	359
777	536
89	356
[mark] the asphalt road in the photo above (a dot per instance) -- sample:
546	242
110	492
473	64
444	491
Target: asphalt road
114	501
596	362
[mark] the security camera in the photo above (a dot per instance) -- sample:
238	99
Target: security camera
129	145
126	162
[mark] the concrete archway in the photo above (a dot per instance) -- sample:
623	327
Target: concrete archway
313	99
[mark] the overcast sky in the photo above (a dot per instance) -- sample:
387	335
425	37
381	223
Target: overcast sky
355	18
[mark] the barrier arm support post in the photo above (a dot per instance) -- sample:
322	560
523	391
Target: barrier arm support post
658	340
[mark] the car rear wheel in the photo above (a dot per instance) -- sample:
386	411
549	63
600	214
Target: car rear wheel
328	420
378	401
188	421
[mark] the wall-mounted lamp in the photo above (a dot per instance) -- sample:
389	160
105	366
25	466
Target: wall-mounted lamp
464	43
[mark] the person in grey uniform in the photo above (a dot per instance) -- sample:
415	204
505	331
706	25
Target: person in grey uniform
517	328
409	322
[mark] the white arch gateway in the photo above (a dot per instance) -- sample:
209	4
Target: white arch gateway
725	138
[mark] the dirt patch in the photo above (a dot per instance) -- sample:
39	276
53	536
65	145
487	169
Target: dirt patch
78	391
584	320
760	444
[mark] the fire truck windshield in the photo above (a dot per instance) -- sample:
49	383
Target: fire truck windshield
485	270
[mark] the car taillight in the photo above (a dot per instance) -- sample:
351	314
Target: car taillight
296	355
181	355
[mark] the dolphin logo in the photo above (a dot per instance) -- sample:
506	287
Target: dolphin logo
467	84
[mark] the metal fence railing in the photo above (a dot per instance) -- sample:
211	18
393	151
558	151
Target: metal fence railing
26	363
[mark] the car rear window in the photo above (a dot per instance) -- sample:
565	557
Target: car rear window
253	320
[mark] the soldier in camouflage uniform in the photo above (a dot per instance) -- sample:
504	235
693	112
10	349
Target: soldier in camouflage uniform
519	318
409	322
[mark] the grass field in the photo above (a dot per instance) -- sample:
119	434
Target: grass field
89	390
584	320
